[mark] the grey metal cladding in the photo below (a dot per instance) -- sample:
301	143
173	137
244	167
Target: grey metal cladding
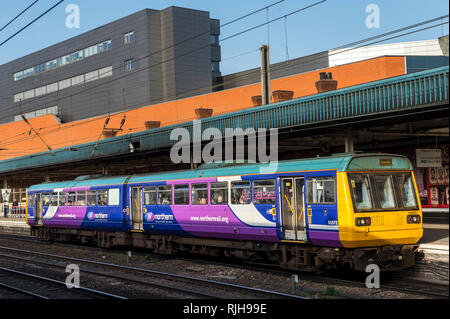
282	69
158	75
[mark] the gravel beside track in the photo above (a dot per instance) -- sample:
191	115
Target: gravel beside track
309	286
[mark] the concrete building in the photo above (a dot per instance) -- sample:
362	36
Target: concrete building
141	59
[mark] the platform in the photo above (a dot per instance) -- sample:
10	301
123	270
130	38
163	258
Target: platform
14	226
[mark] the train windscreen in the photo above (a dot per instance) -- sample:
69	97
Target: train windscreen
383	191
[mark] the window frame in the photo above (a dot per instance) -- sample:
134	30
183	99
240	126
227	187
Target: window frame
256	187
174	190
98	197
87	196
202	189
231	192
166	190
145	190
227	192
325	179
125	35
132	63
376	207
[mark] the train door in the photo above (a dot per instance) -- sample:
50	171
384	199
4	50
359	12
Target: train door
136	209
38	209
293	208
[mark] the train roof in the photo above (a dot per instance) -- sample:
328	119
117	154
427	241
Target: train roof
339	162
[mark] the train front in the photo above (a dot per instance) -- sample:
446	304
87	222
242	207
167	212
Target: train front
383	223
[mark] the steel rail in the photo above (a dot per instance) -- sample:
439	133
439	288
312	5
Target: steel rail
25	292
165	274
45	279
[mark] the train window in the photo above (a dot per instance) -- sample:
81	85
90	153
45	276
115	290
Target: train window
150	195
405	187
81	198
385	191
62	199
199	194
113	197
102	197
71	199
360	185
31	198
241	193
219	193
264	192
91	198
45	200
181	195
54	199
321	190
165	195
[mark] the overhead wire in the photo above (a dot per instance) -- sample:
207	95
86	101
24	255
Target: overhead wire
29	24
301	61
17	16
168	59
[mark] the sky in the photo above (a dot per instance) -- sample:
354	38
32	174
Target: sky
323	27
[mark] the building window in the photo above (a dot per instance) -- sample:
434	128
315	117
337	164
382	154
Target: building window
128	38
129	65
215	67
214	39
64	60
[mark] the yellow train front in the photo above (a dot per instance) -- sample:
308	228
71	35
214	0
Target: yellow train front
380	214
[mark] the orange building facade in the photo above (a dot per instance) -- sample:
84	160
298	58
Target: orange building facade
18	139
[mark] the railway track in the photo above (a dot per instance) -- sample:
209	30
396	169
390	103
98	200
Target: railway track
411	286
47	288
178	284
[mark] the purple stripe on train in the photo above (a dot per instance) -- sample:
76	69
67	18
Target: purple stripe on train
324	238
216	221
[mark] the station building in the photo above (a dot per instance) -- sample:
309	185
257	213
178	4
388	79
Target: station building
128	136
138	60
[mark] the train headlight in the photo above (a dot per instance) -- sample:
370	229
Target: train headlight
364	221
413	219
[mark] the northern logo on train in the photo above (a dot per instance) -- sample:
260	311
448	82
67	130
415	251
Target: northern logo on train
162	218
149	217
91	216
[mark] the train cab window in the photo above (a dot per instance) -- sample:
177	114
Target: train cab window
102	197
91	198
150	195
62	199
81	198
71	199
360	185
54	199
264	192
199	194
241	193
181	194
405	187
45	200
385	191
219	193
321	190
165	195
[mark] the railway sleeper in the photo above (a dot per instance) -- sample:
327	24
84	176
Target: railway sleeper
291	256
